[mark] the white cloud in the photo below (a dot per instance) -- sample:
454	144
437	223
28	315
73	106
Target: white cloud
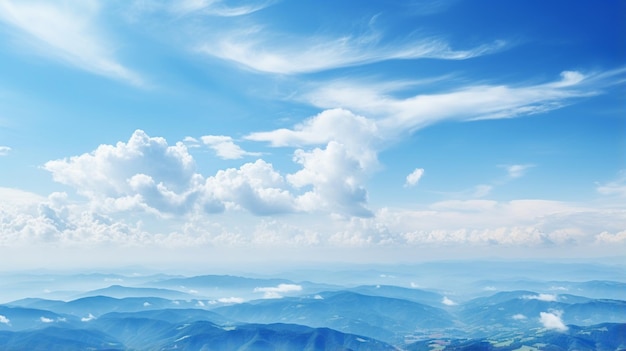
256	187
259	50
612	238
542	297
147	304
413	178
4	320
552	320
358	134
446	301
396	115
519	317
337	172
46	320
231	300
336	178
276	292
517	171
616	187
68	31
225	148
89	318
218	7
4	150
144	173
18	198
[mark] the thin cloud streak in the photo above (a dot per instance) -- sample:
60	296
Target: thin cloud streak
261	52
67	32
218	7
465	104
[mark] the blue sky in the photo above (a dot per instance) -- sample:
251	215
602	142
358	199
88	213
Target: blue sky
374	131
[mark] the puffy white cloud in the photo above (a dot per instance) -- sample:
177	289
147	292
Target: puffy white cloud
358	134
144	173
608	238
337	172
225	148
542	297
4	320
4	150
336	180
256	187
276	292
413	178
552	320
519	317
69	32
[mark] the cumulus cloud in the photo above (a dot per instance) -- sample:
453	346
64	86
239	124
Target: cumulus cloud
4	150
336	179
552	320
225	147
413	178
69	32
276	292
358	134
144	172
337	172
4	320
611	238
541	297
256	187
519	317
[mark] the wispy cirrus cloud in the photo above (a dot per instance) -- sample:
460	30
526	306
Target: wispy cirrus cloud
223	8
261	51
473	102
67	31
517	171
615	187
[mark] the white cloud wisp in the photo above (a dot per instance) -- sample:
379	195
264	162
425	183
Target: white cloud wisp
67	31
